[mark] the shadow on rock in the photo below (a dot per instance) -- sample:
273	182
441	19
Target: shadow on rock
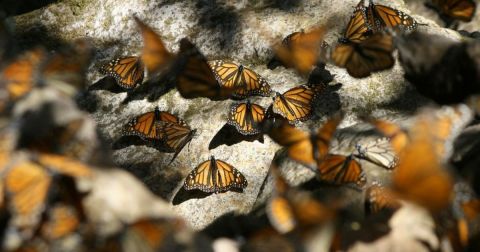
328	102
107	83
229	136
153	89
183	195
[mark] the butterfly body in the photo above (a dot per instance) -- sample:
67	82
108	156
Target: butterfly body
215	176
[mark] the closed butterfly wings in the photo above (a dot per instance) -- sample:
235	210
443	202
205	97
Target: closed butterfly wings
127	71
381	17
215	176
340	169
358	28
246	117
244	80
379	152
174	135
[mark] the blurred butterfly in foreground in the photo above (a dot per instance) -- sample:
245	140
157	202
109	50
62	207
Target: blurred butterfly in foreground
196	78
379	198
449	10
216	176
295	105
155	55
246	117
340	169
379	152
309	149
128	71
368	56
288	209
244	80
420	176
301	50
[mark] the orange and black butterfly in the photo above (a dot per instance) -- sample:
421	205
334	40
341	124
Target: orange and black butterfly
420	176
144	125
381	17
308	149
196	78
378	198
288	209
295	105
155	55
339	169
246	117
60	220
244	80
358	28
370	55
18	77
463	10
301	50
216	176
174	135
128	71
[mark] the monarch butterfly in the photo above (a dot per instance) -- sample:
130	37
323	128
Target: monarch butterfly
358	28
214	176
361	59
397	135
378	197
144	125
274	62
18	77
419	176
307	149
175	135
379	152
288	209
381	17
155	55
340	169
246	117
462	10
301	50
196	78
295	105
128	71
244	80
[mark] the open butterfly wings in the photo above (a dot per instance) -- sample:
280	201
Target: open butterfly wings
215	176
244	80
246	117
196	78
127	71
340	169
381	17
295	105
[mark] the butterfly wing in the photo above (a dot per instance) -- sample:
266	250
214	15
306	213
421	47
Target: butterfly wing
358	29
227	177
382	17
303	50
339	169
379	152
201	178
379	198
246	118
65	165
196	79
155	55
174	135
127	71
463	10
295	105
253	84
280	214
142	126
226	72
324	136
61	220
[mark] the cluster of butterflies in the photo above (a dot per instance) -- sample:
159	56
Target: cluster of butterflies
40	200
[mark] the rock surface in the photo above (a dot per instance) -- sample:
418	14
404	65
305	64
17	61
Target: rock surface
240	30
